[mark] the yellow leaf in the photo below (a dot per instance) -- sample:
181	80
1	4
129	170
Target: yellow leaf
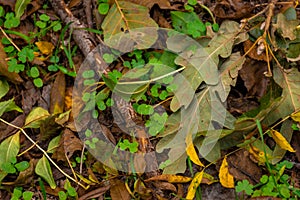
226	179
45	47
170	178
194	185
296	116
281	141
191	152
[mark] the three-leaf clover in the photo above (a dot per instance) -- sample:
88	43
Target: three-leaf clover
244	186
133	147
26	53
13	66
11	21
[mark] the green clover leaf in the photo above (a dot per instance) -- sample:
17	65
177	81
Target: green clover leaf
244	186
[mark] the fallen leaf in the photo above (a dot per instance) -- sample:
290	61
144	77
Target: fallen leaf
127	26
226	179
10	3
165	186
242	167
9	149
296	116
13	77
9	105
45	47
194	185
191	152
118	190
69	143
57	97
281	141
287	28
287	132
26	177
289	82
163	4
254	79
171	178
43	169
36	117
232	9
253	52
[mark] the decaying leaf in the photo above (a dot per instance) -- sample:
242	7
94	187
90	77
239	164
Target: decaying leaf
45	47
289	82
226	179
287	132
127	26
13	77
281	141
194	185
69	143
163	4
118	190
57	98
171	178
286	27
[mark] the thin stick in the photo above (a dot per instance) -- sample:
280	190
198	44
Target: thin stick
44	152
9	39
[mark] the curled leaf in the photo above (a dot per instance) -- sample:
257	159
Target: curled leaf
191	152
226	179
296	116
194	185
281	141
170	178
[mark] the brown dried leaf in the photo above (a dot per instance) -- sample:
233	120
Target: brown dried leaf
13	77
68	145
165	186
254	79
163	4
232	9
118	190
57	97
253	53
242	167
10	3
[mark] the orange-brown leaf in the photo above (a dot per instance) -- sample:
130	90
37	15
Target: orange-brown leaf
194	185
226	179
281	141
191	152
170	178
45	47
57	96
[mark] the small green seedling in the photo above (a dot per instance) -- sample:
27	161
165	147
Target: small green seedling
276	185
70	191
156	123
18	194
13	167
103	7
131	146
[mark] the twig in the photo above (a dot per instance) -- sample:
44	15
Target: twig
44	152
3	32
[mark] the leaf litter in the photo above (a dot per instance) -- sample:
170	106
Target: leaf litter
209	139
